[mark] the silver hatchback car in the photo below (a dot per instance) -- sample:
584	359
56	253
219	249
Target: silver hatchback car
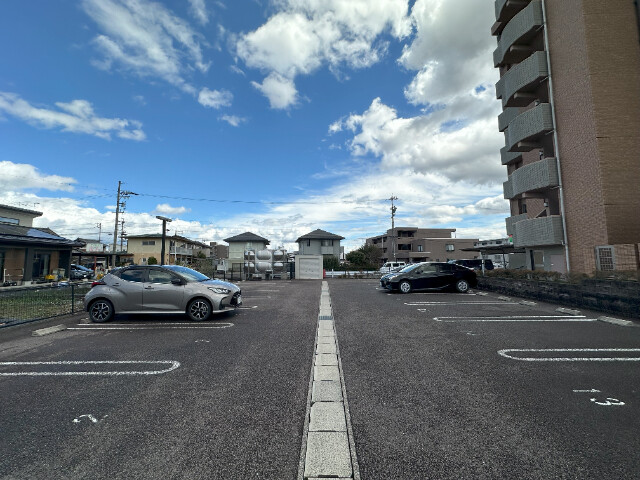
159	289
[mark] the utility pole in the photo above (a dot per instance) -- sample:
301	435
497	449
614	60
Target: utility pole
122	234
393	226
99	225
122	195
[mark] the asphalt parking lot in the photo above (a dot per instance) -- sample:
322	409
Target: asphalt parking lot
439	386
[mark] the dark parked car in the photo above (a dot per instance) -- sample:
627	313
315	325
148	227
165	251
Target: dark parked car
159	289
78	272
475	263
430	276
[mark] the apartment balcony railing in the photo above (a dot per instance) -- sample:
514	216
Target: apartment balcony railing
509	157
514	41
506	9
181	251
516	87
511	221
530	178
326	250
523	131
538	232
506	117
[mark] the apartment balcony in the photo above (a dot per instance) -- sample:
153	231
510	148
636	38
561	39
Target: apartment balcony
525	130
506	117
533	177
326	250
516	87
507	9
508	157
181	251
515	39
511	221
538	232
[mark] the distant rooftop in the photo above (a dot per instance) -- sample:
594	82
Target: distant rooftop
247	237
320	235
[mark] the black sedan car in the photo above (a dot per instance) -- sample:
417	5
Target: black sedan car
430	276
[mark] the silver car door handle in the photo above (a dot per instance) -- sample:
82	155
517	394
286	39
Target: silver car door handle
148	288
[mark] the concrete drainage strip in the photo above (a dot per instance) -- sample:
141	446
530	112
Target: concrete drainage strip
328	448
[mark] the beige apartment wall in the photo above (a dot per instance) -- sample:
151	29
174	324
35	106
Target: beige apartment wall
614	64
595	68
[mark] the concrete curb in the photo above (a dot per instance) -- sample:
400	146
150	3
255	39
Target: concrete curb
569	311
47	331
616	321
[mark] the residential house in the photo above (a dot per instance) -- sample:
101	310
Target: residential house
178	249
241	243
29	254
413	244
319	242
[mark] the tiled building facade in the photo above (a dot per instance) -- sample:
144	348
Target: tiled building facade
570	91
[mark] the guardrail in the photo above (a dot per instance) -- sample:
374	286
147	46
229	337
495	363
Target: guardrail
27	304
352	274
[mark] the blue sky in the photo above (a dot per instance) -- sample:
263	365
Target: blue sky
276	117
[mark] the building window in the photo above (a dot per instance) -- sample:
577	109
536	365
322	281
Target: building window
449	247
308	242
148	242
522	207
420	248
327	243
13	221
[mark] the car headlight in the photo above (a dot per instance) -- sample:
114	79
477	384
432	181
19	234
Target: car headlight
221	290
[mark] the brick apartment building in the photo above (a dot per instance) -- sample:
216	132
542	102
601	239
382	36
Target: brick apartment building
412	245
570	90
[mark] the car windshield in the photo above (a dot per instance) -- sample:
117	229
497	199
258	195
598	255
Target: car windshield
408	268
187	273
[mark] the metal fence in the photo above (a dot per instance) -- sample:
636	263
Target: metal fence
26	304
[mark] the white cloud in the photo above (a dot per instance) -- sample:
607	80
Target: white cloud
76	116
215	98
169	210
306	34
22	176
233	120
146	39
424	144
280	91
452	50
199	11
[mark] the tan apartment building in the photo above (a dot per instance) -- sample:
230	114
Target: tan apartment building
178	249
413	244
570	91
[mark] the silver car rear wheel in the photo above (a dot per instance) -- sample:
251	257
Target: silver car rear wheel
101	311
199	310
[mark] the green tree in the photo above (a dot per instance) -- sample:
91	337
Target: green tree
152	261
367	257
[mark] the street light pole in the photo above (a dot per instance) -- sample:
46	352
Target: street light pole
164	235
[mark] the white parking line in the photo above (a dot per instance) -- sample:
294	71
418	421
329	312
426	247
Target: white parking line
68	363
553	358
516	318
459	303
156	326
